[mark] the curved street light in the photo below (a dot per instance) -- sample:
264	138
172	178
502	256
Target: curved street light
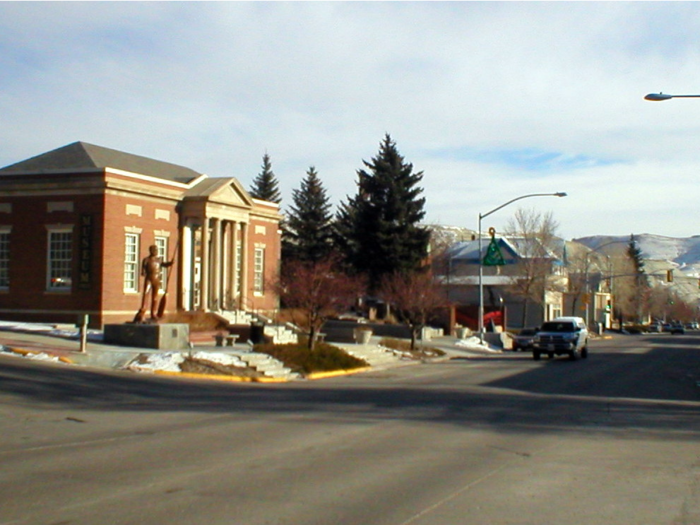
586	263
481	259
657	97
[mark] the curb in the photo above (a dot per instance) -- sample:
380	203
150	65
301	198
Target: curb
24	352
239	379
219	377
337	373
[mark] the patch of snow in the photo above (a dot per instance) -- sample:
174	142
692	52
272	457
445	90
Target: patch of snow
474	343
43	357
220	358
72	333
39	356
166	362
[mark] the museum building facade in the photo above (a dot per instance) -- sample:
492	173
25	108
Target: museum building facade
76	222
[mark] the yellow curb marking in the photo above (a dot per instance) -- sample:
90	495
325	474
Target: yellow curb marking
336	373
221	377
24	352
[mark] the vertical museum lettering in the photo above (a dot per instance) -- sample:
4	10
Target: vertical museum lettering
86	225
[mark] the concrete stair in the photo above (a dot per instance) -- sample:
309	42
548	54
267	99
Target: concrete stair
236	316
279	333
376	356
266	365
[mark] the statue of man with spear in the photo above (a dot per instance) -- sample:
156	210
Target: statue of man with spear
150	270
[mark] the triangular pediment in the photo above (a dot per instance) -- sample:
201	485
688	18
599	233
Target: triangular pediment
226	191
232	193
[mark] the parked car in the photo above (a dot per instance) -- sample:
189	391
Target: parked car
655	328
563	335
523	340
676	328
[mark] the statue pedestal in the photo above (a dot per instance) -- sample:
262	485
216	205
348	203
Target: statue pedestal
158	336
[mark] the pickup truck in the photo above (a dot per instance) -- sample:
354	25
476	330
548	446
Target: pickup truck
562	336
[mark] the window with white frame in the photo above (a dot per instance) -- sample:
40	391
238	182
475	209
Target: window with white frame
4	259
131	263
258	270
162	245
60	260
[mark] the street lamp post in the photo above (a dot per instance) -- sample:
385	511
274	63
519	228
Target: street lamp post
586	277
481	258
658	97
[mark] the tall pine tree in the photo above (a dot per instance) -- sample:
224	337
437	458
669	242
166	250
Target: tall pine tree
308	228
265	185
378	228
641	284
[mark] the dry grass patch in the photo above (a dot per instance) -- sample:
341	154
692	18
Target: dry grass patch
198	366
404	346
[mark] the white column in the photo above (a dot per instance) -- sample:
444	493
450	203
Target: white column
204	281
185	266
233	277
215	291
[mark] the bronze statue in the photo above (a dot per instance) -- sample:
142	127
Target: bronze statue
150	270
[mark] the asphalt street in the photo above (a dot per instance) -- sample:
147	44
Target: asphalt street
611	439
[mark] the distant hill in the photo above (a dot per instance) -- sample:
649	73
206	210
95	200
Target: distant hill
682	253
446	235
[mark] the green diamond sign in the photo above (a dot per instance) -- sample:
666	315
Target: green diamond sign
493	257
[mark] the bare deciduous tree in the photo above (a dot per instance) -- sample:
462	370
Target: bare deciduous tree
319	289
535	235
414	297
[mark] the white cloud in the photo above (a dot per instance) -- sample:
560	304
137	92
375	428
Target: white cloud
465	88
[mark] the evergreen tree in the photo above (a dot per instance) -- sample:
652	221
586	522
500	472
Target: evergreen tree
378	228
265	186
641	284
308	228
635	254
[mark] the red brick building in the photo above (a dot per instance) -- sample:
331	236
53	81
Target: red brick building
75	223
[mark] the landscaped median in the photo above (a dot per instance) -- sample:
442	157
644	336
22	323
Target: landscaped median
265	364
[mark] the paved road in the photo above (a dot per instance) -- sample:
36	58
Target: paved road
614	439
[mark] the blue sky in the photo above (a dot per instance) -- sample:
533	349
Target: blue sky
491	100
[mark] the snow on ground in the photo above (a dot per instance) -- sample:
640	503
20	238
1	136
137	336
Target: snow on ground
170	361
166	362
220	358
474	343
39	356
62	330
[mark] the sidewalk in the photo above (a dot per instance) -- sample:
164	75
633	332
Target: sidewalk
48	343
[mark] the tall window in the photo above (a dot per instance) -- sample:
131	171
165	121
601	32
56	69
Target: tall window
162	244
4	260
258	270
131	263
60	260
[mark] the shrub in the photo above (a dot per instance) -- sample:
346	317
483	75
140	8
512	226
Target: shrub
323	358
404	346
